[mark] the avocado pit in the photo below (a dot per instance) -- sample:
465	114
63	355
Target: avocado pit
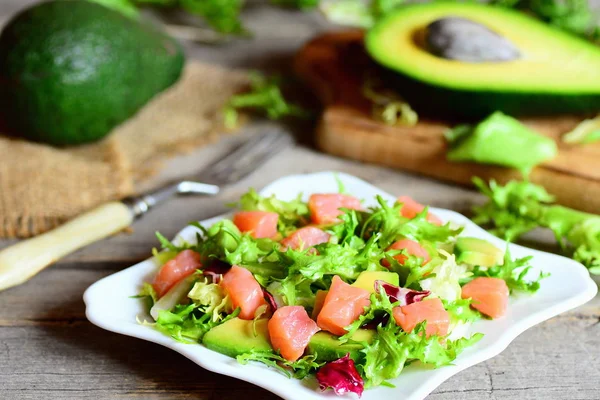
461	39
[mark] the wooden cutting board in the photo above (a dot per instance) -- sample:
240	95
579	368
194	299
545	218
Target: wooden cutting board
333	65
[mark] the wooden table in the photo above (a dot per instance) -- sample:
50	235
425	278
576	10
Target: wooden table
49	350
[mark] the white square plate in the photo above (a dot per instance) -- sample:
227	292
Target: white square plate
108	304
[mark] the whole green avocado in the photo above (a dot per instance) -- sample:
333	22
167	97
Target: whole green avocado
70	71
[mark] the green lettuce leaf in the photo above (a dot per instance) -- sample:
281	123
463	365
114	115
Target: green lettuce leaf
167	245
393	348
148	294
210	298
388	221
292	214
444	282
298	369
265	96
518	207
513	271
187	323
460	311
380	305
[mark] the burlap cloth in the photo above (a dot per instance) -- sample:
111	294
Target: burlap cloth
42	186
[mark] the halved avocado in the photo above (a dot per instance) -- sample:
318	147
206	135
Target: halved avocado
556	72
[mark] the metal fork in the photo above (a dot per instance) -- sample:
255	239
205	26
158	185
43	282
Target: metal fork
22	261
241	162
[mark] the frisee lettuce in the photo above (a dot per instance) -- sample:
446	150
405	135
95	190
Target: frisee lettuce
460	311
187	323
391	225
148	294
520	206
380	306
444	282
514	272
299	369
393	348
292	214
265	96
210	298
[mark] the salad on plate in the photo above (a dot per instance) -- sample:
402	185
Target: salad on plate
329	289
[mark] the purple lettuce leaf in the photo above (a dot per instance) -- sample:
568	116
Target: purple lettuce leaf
216	269
403	295
341	375
270	300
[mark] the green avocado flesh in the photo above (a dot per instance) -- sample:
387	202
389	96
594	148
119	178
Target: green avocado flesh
366	279
327	347
475	251
237	336
556	73
73	70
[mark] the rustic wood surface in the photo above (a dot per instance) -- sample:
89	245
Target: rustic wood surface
49	350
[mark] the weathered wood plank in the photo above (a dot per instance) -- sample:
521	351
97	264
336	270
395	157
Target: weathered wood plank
82	361
49	350
71	358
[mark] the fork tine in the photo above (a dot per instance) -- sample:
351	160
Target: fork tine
246	158
237	152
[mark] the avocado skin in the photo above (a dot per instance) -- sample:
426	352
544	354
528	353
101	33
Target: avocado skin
73	70
439	102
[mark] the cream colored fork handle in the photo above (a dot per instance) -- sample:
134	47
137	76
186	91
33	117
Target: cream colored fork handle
22	261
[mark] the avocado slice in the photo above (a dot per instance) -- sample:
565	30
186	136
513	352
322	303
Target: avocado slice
327	347
73	70
475	251
236	336
556	72
366	279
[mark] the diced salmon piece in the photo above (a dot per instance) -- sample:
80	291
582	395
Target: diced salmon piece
176	269
260	224
290	330
489	295
430	310
319	300
325	208
342	306
412	248
304	238
411	208
243	290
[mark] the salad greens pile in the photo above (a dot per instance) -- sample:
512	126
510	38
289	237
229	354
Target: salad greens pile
521	206
359	242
